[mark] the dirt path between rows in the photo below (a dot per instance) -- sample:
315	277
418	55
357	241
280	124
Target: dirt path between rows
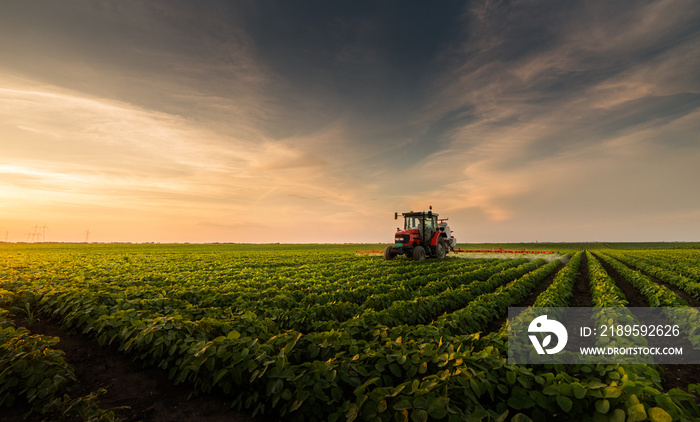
496	324
634	297
692	301
149	394
582	289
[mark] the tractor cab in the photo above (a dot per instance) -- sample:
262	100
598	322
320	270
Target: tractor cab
423	235
421	224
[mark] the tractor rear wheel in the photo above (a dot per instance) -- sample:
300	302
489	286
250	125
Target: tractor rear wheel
388	253
418	253
441	249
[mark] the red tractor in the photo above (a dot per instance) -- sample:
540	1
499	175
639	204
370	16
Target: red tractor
423	235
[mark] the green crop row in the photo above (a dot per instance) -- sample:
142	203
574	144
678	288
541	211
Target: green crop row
685	263
689	286
490	306
560	292
624	392
604	291
658	295
33	372
634	404
424	309
592	392
193	323
182	346
324	317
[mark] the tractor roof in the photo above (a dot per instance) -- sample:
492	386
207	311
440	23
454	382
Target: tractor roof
417	214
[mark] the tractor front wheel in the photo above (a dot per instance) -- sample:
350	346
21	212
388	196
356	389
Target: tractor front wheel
388	253
418	253
440	249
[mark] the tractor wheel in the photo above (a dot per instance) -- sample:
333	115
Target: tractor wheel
388	253
440	249
418	253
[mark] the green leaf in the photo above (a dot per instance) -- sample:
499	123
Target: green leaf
612	392
603	406
220	375
520	399
276	386
502	417
579	391
419	415
414	385
543	401
403	405
437	408
421	402
476	387
636	413
595	385
551	390
666	403
657	414
352	413
519	417
565	403
618	415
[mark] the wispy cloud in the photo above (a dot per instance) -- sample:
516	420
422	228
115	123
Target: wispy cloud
595	110
82	152
254	123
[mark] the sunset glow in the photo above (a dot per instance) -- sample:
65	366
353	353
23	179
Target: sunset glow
283	122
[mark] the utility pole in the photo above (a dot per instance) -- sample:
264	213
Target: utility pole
43	233
87	235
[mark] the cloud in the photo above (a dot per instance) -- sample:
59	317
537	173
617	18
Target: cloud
588	115
206	121
66	153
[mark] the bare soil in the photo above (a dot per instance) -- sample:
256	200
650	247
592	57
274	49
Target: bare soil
582	289
634	297
148	393
692	301
496	324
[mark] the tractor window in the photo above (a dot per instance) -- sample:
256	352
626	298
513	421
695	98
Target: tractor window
411	223
429	224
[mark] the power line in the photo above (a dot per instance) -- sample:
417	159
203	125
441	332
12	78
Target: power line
37	232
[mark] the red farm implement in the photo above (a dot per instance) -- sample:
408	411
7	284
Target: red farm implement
501	250
424	236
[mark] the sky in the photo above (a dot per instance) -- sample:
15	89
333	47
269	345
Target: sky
314	121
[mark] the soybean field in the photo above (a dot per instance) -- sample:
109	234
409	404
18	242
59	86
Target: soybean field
322	333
